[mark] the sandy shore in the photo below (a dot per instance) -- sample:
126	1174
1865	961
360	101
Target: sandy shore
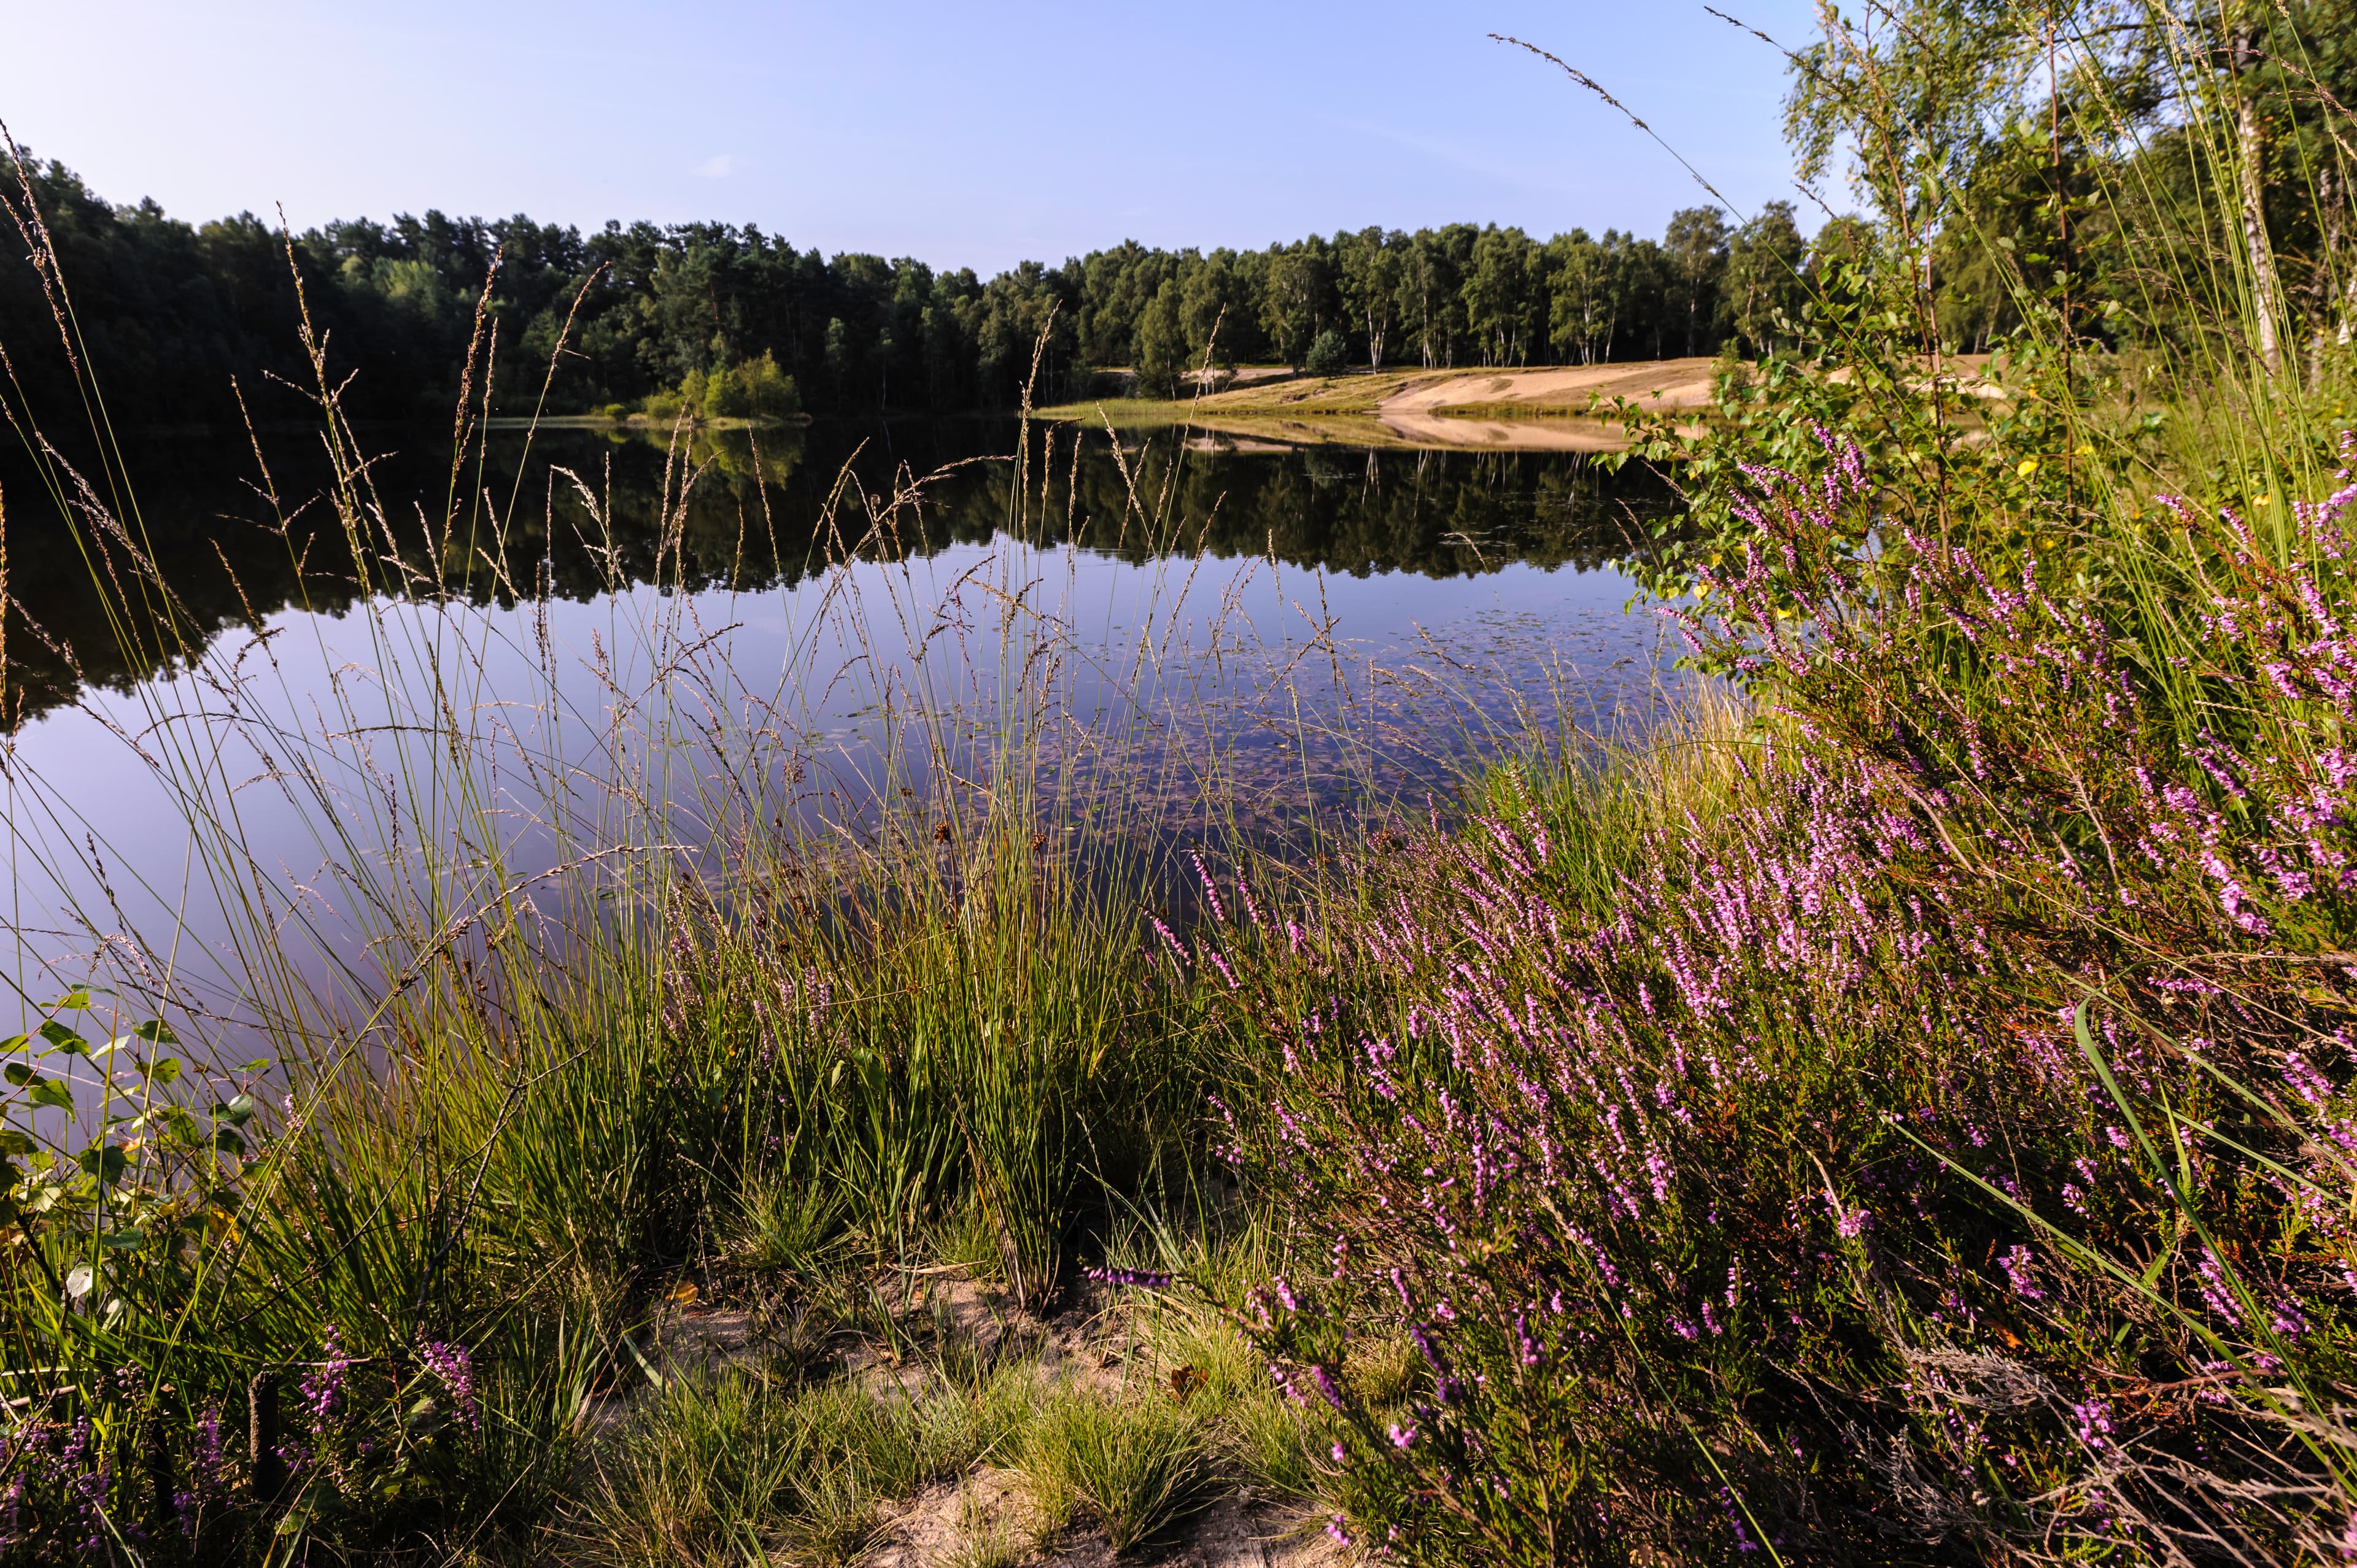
1505	409
1650	384
1544	410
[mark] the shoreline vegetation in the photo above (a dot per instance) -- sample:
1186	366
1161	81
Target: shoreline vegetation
1900	1108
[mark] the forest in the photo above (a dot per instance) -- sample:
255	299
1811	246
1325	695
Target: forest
170	312
649	317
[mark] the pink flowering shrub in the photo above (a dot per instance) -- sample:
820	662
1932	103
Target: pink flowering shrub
1936	1146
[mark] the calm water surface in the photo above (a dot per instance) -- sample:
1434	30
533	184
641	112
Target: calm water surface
1284	633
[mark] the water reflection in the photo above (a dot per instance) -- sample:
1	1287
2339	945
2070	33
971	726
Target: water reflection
838	638
577	514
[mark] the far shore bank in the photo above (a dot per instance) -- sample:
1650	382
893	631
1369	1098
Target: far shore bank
1558	408
635	422
1554	408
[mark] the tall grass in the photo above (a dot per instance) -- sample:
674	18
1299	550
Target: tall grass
621	974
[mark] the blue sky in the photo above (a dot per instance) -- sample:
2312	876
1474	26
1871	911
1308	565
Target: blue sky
971	133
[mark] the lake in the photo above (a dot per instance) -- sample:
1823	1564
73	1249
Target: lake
598	638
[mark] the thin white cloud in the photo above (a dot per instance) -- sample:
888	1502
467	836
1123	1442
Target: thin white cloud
714	168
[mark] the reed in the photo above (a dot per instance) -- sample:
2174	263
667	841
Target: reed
622	974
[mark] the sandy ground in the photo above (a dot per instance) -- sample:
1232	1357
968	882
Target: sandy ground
931	1531
936	1528
1419	412
1414	429
1651	385
1242	376
1505	409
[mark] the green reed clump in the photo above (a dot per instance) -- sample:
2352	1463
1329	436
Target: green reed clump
979	1051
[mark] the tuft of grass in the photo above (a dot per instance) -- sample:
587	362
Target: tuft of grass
968	1239
1202	1362
703	1463
1134	1464
714	1460
838	1519
784	1225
